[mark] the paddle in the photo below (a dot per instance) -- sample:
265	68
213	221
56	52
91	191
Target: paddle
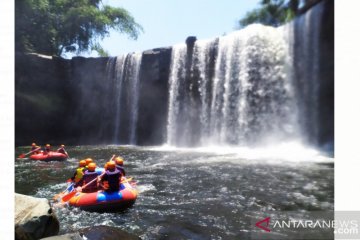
71	194
66	190
23	155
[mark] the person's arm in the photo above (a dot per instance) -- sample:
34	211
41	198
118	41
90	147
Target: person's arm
73	177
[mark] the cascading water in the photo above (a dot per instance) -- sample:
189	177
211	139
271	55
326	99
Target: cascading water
254	86
125	97
247	98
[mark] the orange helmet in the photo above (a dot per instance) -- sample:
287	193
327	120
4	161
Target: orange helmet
92	166
47	145
33	144
110	165
119	161
105	166
62	145
88	160
82	163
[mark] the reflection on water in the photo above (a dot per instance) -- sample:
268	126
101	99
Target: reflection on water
188	194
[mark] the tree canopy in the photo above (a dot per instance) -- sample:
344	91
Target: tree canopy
271	12
54	27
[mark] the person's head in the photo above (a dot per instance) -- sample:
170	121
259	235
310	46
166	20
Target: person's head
47	145
119	161
82	163
62	145
33	144
88	161
105	166
91	167
110	165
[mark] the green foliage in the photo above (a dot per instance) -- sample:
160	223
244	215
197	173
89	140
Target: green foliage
54	27
271	12
100	50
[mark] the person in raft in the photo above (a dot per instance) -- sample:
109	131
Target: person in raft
88	161
112	177
47	148
62	150
79	173
34	147
120	165
89	175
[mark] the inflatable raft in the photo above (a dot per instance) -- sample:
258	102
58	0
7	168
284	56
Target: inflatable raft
50	156
102	201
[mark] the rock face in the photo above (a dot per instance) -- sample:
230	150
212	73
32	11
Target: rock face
41	97
153	103
34	218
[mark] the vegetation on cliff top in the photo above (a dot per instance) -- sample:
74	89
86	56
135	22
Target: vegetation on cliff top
53	27
275	12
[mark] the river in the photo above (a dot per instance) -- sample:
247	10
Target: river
191	193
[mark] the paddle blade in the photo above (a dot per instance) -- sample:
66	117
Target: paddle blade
21	155
67	197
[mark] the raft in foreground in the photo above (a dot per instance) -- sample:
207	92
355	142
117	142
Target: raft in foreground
50	156
102	201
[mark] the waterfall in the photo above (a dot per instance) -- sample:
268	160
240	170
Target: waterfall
254	86
125	98
246	98
303	36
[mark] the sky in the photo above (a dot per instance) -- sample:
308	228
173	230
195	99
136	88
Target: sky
168	22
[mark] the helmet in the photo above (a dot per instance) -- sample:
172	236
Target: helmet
33	144
47	145
92	166
119	161
62	145
110	165
105	166
88	160
82	163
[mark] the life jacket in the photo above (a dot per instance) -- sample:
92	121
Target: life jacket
35	147
88	177
113	180
79	174
61	150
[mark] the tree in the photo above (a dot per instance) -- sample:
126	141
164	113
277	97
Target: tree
54	27
271	12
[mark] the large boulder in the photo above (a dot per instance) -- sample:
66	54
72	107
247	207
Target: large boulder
34	218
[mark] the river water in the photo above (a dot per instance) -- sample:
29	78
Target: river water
207	193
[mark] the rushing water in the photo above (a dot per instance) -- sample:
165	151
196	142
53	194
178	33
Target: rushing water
193	193
248	96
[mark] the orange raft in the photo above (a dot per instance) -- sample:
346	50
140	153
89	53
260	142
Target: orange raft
50	156
102	201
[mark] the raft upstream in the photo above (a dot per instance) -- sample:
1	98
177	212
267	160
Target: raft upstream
50	156
102	201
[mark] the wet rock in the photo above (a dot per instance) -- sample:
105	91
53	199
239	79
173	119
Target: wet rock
69	236
106	233
34	218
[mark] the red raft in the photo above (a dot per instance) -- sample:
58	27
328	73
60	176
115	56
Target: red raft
50	156
102	201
